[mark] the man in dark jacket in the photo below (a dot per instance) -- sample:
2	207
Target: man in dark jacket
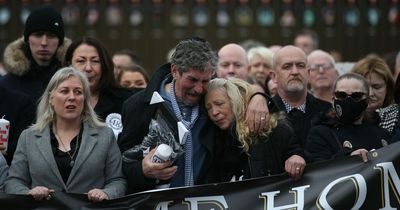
182	85
291	75
32	60
18	109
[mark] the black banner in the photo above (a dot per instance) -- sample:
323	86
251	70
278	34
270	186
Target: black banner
346	183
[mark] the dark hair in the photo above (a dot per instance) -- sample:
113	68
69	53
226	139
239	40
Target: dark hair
134	68
107	79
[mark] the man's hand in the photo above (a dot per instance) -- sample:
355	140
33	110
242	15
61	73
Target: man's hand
161	171
257	114
361	152
294	166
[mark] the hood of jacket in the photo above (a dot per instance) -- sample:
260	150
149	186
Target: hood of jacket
16	62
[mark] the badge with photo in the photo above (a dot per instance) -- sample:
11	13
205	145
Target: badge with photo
179	14
70	13
93	13
351	14
223	18
328	13
287	18
5	14
200	16
25	10
114	16
244	14
136	16
265	14
308	13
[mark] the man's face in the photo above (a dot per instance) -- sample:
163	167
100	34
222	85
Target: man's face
305	43
191	85
260	69
43	46
322	72
232	63
291	71
121	61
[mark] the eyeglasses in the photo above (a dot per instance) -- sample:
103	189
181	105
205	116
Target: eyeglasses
324	67
355	96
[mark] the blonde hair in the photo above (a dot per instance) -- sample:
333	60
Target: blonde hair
239	94
45	112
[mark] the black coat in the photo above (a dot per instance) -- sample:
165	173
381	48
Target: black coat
19	110
111	101
266	156
302	124
24	74
327	139
136	116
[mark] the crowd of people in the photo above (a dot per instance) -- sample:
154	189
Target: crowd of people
77	112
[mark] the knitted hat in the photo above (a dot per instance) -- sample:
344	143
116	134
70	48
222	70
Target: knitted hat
45	19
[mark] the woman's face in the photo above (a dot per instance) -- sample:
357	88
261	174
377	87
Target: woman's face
259	69
219	108
67	99
86	59
377	91
133	80
349	86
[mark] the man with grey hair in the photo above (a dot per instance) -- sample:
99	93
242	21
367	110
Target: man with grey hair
323	74
291	74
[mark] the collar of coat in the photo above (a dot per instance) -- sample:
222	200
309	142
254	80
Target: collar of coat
17	63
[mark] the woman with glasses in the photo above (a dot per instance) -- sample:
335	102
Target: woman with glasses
343	131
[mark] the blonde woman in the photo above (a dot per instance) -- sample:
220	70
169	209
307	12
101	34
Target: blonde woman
247	154
68	149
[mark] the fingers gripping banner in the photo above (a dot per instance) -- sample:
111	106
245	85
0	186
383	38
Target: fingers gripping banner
346	183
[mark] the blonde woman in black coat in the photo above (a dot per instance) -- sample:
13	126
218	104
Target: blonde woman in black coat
256	155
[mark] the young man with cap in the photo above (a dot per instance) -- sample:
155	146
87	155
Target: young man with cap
31	61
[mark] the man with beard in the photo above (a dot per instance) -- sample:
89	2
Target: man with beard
182	85
291	75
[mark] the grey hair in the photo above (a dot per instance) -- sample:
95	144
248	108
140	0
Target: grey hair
321	52
45	112
194	53
265	53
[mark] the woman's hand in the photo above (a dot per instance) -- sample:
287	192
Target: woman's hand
363	153
97	195
40	193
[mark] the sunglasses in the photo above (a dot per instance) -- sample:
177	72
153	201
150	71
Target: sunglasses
355	96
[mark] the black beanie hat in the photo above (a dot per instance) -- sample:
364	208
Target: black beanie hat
44	19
